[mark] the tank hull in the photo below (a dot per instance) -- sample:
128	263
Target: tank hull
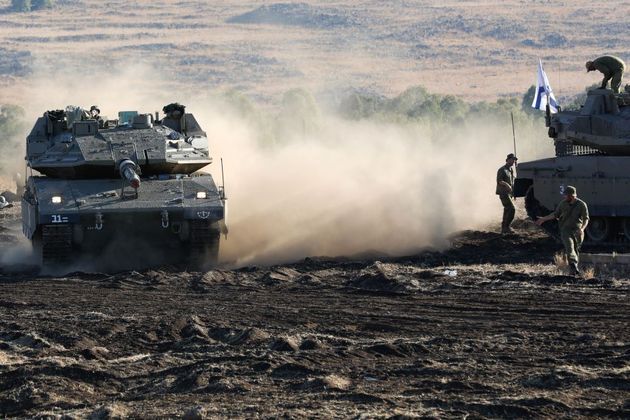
602	181
174	220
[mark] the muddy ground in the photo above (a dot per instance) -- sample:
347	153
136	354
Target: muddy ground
487	329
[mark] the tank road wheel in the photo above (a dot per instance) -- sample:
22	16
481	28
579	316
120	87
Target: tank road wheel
599	229
625	226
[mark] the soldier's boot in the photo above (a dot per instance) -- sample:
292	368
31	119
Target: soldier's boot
574	269
506	230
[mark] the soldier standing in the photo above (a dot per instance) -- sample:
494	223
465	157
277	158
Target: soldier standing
611	67
572	215
505	185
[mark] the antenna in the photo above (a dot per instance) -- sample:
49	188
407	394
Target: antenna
222	178
513	133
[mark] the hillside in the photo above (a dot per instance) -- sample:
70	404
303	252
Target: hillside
475	49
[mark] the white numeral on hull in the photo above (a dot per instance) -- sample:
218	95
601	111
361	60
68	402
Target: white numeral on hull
57	218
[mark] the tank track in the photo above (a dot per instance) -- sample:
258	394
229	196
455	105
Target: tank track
204	241
56	244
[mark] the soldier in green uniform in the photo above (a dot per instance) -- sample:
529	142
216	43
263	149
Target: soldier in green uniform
611	67
95	114
572	215
505	184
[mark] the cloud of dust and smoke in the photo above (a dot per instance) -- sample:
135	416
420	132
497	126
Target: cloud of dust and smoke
353	187
343	188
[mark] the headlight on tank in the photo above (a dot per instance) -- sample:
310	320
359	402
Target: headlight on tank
56	199
202	194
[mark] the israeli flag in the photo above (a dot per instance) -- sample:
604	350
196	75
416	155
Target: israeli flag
544	92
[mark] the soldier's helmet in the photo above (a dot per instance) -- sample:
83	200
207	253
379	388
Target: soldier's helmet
570	190
95	108
174	110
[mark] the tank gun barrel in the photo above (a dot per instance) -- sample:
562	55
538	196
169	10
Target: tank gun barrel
128	172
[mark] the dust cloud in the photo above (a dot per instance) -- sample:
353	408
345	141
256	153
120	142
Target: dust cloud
20	252
353	188
340	188
12	164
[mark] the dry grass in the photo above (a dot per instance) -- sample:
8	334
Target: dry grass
478	50
562	267
560	260
588	272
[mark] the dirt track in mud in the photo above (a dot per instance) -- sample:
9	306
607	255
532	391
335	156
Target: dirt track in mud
499	335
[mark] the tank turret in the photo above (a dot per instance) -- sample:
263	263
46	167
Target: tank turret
593	154
80	201
602	124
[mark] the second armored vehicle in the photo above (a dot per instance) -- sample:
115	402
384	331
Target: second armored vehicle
593	154
124	190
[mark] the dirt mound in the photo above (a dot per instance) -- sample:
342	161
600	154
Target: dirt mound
380	277
296	14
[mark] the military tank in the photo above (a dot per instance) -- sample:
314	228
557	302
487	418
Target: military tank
592	148
125	189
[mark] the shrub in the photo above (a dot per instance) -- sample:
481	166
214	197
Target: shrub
28	5
417	104
21	5
43	4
